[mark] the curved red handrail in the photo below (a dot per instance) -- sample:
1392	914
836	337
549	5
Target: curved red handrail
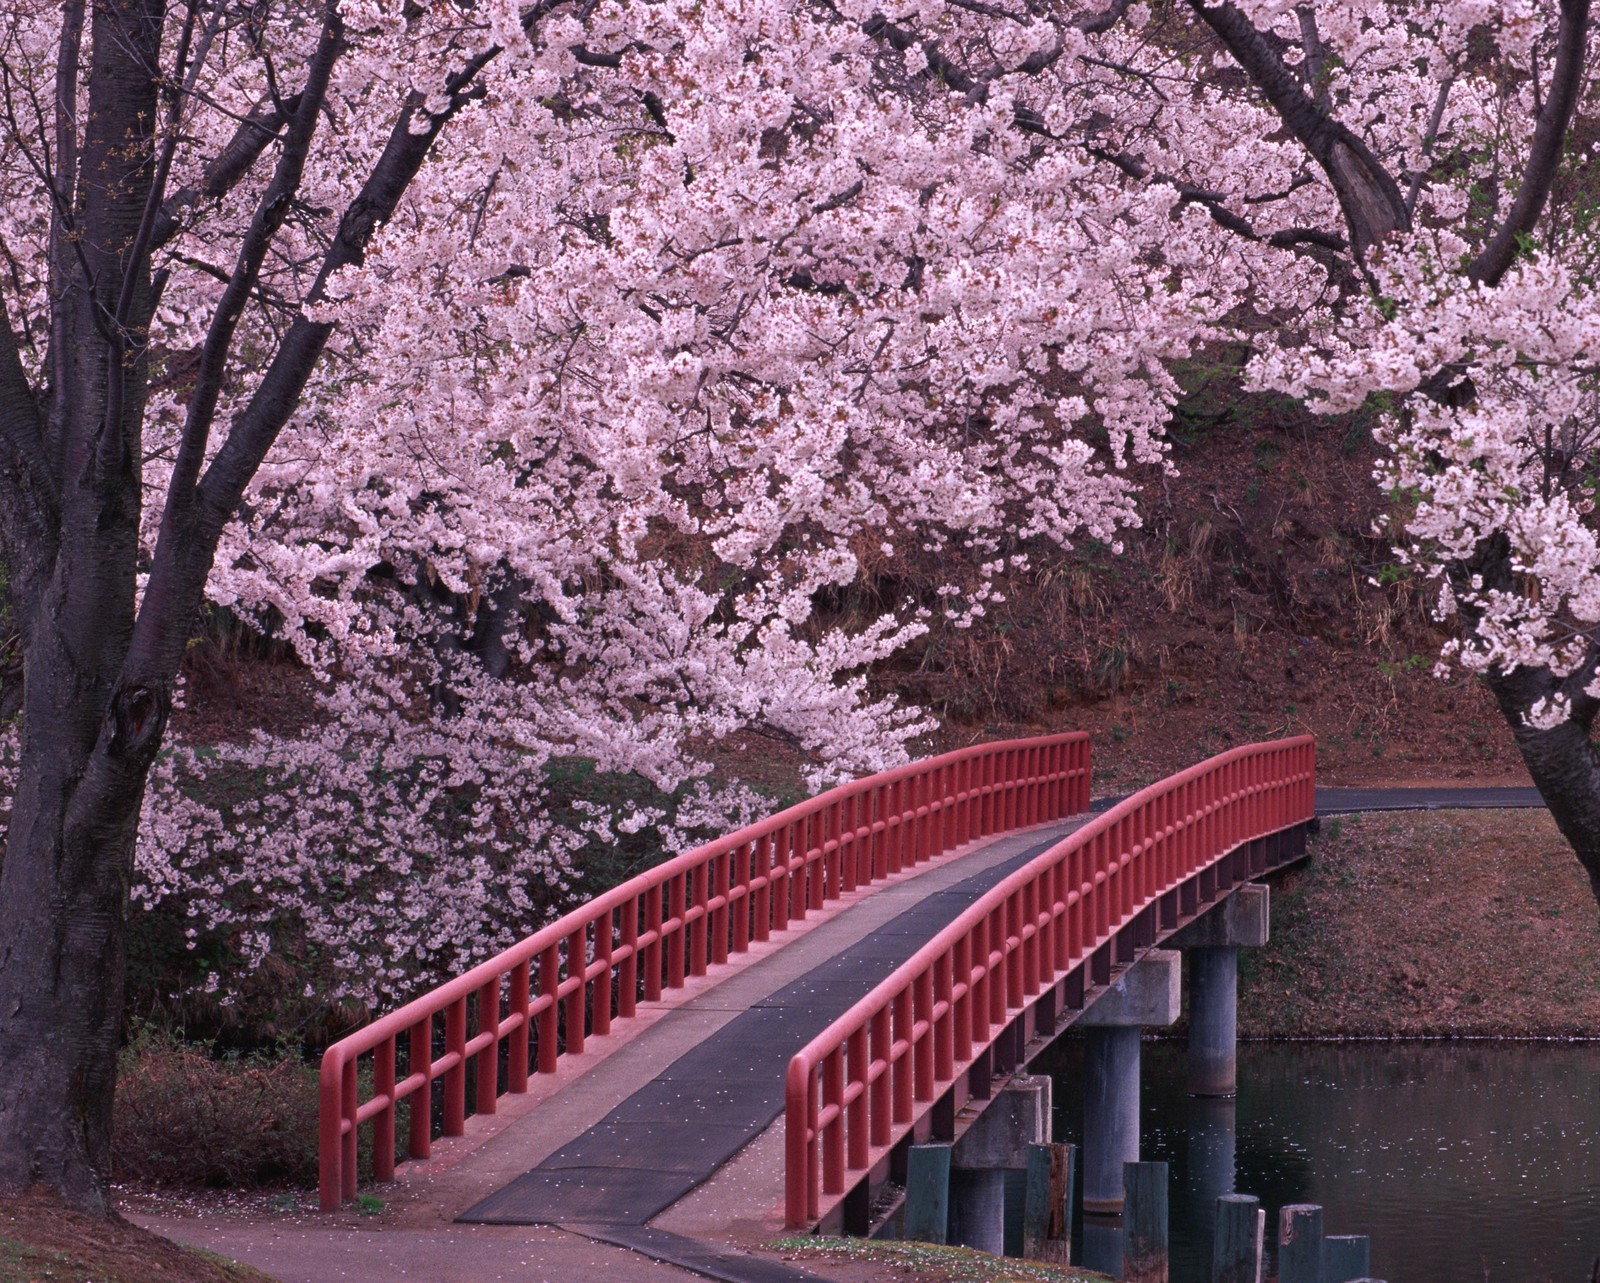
859	1085
673	921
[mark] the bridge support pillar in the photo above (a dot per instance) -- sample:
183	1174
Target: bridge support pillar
978	1209
1213	1022
1146	995
1213	942
996	1143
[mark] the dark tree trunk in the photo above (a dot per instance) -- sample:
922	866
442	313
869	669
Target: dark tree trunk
1563	762
63	892
88	733
97	675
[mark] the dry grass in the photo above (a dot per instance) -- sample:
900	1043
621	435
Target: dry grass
1463	923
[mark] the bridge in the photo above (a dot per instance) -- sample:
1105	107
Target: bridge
757	1033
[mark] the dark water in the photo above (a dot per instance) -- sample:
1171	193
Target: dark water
1464	1162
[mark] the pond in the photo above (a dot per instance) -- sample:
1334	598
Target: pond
1466	1162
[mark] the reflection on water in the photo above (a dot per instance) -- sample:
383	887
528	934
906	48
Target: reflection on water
1464	1162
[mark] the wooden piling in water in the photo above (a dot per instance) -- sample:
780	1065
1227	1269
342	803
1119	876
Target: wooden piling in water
1047	1204
1300	1243
1144	1223
927	1216
1345	1257
1237	1249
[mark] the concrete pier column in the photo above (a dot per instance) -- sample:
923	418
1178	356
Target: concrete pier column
1213	942
1110	1114
978	1209
1213	1022
1102	1244
1144	996
997	1142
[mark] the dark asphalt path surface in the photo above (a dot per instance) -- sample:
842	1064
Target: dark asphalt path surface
1343	801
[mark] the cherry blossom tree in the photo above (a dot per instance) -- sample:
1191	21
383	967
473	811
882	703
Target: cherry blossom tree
538	372
546	364
1457	140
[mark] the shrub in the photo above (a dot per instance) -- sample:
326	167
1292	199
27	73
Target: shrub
185	1116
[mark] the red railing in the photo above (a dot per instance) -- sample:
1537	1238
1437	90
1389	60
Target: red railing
545	995
858	1086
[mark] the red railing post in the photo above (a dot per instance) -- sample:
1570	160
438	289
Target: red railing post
605	932
762	868
901	1057
347	1162
577	987
721	896
628	973
420	1140
833	1128
742	878
922	1048
944	1043
700	931
550	1012
800	1130
833	858
486	1064
858	1072
330	1126
676	927
455	1077
881	1063
517	1049
797	852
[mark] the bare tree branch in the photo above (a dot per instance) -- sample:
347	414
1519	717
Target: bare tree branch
1368	194
1215	204
270	212
1544	156
65	178
1434	122
1316	56
250	140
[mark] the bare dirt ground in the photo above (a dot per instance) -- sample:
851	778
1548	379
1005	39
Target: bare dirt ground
40	1242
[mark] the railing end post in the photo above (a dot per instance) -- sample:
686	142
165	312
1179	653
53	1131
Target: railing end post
330	1130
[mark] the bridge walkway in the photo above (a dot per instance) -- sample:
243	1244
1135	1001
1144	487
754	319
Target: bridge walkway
648	1121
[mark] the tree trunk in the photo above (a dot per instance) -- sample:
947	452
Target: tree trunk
1563	761
63	933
